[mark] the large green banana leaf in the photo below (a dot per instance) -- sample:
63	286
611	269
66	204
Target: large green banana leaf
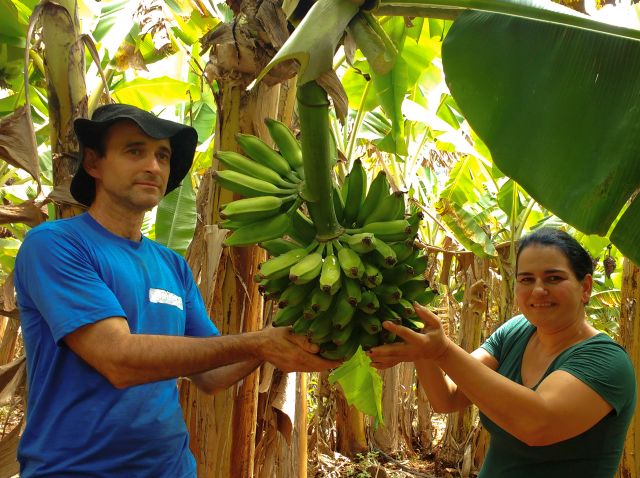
558	106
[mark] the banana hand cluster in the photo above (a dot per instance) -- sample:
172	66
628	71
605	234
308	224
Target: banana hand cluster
337	292
269	180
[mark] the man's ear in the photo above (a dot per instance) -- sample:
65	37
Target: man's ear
90	162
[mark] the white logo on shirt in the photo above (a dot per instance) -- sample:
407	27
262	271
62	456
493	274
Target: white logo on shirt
159	296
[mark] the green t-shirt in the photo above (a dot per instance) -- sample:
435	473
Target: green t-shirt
600	363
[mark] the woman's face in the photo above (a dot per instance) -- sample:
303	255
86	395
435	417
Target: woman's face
547	290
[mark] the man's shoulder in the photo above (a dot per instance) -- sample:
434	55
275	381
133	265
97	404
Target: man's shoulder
58	227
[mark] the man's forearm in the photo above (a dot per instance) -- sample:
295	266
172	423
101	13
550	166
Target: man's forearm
149	358
225	376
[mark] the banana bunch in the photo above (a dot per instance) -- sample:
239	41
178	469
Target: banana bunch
336	292
269	180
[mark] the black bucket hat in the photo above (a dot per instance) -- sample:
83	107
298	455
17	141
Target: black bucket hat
183	140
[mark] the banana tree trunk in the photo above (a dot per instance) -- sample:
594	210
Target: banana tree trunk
630	339
223	427
64	67
461	426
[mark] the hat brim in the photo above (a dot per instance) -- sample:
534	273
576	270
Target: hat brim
183	140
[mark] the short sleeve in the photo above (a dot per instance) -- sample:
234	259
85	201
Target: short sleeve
55	277
605	367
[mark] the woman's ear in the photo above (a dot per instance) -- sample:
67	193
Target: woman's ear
587	286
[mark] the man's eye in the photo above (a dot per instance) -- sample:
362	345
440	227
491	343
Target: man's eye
135	151
525	280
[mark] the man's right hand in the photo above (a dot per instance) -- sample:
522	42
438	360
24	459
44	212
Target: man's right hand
292	353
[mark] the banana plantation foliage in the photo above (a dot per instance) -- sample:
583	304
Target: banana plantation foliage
362	157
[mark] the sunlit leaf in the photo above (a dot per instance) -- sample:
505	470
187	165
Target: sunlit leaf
148	93
176	218
361	384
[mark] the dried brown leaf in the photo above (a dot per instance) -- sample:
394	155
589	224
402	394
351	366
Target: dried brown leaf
332	85
12	377
17	144
26	212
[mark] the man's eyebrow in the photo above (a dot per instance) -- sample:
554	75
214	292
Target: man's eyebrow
166	149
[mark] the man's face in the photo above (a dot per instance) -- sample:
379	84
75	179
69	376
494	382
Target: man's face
134	171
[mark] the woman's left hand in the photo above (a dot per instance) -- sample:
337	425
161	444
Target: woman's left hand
431	343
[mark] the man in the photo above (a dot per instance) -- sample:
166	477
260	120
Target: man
111	318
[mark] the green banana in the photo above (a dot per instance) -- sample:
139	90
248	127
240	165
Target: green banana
320	301
403	249
390	208
258	231
387	313
418	263
369	302
352	290
357	179
340	336
249	186
287	316
278	246
361	243
350	262
260	152
273	287
368	341
252	209
399	274
369	323
341	311
388	294
387	231
307	269
237	162
321	329
414	221
330	275
301	326
404	309
413	323
414	287
331	351
378	190
387	255
372	276
294	295
302	229
278	267
287	143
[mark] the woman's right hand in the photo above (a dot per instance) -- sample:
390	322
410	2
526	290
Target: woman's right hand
432	343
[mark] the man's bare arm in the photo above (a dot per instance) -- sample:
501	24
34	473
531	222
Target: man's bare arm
127	359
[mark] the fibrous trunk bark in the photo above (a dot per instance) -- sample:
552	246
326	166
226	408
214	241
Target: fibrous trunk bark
66	88
458	441
630	339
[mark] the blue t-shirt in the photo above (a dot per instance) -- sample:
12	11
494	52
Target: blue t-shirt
74	272
598	362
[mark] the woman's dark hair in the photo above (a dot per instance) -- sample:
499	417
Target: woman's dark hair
579	259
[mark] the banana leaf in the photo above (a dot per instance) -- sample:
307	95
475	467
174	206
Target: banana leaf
361	384
176	218
552	103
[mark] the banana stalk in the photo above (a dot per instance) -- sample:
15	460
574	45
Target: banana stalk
317	151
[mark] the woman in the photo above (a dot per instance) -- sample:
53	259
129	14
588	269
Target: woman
555	394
